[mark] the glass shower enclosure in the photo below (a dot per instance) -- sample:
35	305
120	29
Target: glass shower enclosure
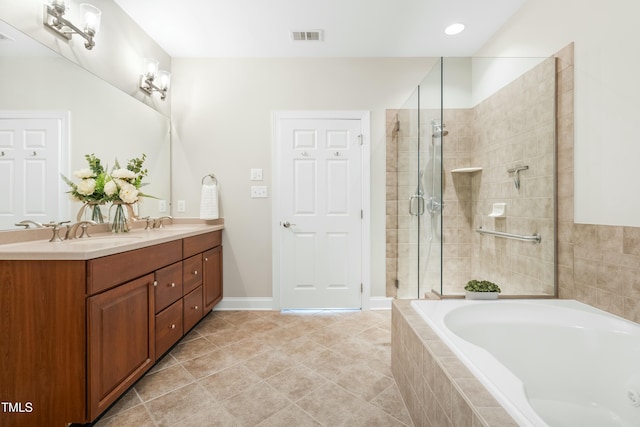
471	180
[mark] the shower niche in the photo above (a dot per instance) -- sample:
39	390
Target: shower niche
471	177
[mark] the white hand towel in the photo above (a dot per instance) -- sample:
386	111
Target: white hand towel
209	201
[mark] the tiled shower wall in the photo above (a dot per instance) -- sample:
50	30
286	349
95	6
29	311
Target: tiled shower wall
596	264
516	127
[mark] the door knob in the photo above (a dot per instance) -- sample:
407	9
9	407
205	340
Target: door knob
286	224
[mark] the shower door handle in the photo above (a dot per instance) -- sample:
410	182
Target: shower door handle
419	203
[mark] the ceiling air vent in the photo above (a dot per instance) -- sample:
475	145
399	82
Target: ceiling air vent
311	35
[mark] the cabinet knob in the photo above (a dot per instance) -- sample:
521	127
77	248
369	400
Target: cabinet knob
206	259
173	326
195	307
195	273
155	283
173	285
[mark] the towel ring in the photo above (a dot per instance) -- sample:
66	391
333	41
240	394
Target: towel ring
210	176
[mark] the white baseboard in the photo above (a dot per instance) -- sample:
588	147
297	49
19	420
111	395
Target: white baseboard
380	303
266	303
244	303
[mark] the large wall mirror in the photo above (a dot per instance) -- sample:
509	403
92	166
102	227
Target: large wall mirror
101	119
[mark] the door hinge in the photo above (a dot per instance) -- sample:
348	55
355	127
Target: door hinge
361	214
361	288
360	139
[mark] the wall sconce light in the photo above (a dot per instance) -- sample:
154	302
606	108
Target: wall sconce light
154	80
54	11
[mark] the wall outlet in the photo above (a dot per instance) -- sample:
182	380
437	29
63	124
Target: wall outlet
162	205
256	174
182	206
259	191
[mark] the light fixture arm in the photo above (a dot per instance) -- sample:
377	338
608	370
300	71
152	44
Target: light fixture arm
147	86
54	19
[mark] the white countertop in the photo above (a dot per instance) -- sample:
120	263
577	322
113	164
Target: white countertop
35	245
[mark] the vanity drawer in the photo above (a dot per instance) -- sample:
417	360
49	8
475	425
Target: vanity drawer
168	285
200	243
109	271
192	273
168	327
192	308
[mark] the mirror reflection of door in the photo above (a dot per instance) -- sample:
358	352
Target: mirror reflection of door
31	159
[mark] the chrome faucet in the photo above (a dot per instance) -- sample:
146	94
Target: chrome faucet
158	223
25	223
72	232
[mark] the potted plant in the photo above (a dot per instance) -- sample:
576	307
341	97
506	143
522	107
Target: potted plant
481	289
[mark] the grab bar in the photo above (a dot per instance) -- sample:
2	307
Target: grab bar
533	238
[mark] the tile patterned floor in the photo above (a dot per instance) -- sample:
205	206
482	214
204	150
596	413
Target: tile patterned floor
264	368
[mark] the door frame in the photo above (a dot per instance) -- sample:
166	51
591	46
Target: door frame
365	120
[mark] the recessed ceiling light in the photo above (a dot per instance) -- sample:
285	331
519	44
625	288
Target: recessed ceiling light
454	29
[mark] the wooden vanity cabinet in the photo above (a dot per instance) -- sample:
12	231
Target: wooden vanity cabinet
77	334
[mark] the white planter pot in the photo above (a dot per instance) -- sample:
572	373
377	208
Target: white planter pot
480	295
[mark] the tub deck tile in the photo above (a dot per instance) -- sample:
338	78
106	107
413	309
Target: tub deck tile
438	390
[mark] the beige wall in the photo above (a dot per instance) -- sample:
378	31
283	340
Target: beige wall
120	45
222	124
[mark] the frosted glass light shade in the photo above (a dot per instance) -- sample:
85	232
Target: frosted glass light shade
62	5
163	79
91	17
149	68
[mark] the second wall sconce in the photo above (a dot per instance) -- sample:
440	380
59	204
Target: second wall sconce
154	80
54	11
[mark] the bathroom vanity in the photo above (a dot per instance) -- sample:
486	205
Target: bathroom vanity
84	319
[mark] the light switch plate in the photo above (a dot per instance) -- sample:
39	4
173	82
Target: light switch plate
259	191
162	205
182	206
256	174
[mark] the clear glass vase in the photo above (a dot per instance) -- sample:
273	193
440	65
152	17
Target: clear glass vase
120	223
96	212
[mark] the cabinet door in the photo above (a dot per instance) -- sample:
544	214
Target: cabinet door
121	340
212	279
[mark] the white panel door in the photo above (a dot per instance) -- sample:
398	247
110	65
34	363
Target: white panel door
321	213
30	168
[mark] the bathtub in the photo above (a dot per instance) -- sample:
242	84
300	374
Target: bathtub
547	362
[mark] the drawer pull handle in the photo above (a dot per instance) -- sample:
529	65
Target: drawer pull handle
173	285
173	326
155	283
195	273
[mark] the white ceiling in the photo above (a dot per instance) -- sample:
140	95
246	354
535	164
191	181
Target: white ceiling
352	28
